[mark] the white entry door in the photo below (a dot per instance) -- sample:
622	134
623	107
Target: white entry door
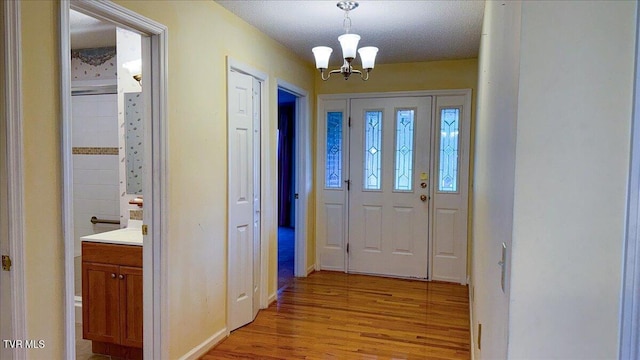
389	186
243	199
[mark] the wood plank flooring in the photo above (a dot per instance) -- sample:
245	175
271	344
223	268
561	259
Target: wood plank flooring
332	315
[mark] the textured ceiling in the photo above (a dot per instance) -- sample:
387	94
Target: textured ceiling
88	32
404	31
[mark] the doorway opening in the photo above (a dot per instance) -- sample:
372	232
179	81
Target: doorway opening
119	276
286	186
107	161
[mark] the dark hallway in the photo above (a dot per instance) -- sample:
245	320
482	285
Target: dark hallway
286	187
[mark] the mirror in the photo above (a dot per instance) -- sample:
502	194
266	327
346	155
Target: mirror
134	141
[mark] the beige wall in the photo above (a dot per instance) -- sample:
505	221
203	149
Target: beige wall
431	75
574	77
572	156
44	245
201	35
495	162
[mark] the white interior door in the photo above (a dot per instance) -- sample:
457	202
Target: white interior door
256	197
389	186
241	200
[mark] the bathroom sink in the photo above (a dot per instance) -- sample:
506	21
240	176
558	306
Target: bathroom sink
126	236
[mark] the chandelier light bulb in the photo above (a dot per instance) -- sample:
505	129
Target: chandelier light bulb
322	55
368	56
349	44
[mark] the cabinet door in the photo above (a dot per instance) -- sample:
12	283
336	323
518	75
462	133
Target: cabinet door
100	302
131	306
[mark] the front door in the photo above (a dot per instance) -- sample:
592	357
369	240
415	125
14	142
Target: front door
389	186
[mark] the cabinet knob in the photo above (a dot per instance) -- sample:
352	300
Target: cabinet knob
113	276
121	276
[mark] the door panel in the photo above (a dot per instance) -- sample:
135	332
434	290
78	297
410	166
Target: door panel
131	306
256	197
450	185
389	160
332	189
241	201
100	302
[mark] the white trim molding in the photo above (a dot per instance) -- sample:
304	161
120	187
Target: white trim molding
630	295
206	345
15	166
155	257
303	176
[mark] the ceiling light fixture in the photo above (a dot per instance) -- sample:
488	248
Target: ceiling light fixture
135	69
349	44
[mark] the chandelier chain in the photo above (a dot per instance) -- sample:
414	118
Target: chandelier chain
346	23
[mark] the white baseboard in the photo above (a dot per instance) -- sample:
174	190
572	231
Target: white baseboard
272	298
206	345
311	269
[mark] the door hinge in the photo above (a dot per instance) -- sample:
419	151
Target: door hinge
347	248
145	229
6	262
349	121
295	196
348	182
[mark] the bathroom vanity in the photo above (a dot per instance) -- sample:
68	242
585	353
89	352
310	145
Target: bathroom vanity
112	292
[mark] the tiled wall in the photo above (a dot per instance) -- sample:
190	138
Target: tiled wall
129	46
95	163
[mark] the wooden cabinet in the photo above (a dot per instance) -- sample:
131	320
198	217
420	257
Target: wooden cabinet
112	298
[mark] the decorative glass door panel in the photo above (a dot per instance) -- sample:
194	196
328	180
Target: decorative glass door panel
372	150
403	174
448	159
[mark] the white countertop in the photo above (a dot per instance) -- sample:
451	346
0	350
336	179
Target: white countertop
126	236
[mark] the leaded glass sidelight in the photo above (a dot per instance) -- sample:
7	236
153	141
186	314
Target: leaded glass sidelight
403	172
372	150
448	172
333	170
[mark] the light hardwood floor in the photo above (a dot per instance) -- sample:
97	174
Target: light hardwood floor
332	315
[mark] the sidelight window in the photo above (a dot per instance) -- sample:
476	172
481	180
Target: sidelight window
333	170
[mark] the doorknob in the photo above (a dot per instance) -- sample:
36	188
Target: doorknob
423	185
423	197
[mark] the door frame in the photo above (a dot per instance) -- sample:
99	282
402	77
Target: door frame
267	199
320	172
303	178
12	53
630	292
155	257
